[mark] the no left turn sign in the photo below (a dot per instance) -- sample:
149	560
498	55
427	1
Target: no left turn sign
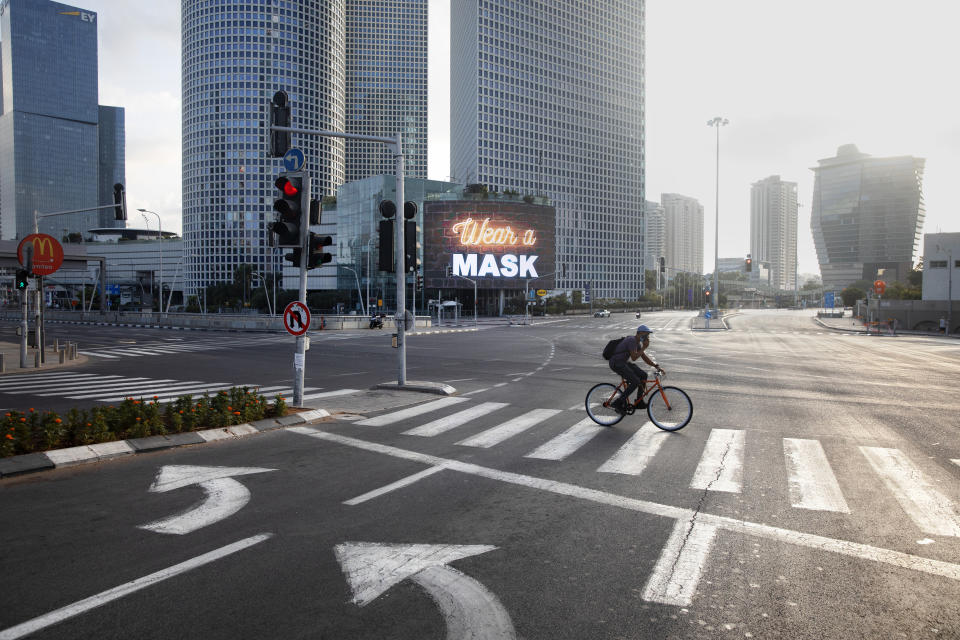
296	318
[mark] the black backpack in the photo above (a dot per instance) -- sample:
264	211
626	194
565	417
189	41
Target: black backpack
611	347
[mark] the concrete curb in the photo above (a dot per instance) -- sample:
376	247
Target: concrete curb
430	333
32	462
437	388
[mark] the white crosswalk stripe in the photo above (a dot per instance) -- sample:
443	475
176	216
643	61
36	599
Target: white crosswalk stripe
498	434
568	442
460	418
633	457
932	511
155	348
812	482
721	465
397	416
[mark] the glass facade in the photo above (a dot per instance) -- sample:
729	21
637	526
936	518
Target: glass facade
235	57
548	98
386	85
358	247
867	216
112	161
50	143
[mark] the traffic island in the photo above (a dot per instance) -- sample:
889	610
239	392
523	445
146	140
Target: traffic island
436	388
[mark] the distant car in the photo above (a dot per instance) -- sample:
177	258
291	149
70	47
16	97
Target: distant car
602	313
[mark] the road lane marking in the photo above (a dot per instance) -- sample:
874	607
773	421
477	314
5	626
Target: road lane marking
477	391
397	416
565	444
116	593
330	394
501	432
721	465
399	484
812	482
681	563
460	418
742	527
639	450
932	511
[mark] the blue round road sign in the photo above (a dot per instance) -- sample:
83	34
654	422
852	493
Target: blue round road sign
293	160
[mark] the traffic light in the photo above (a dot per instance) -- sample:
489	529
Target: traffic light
410	261
663	264
316	257
388	210
749	264
22	282
419	281
279	117
706	293
289	208
119	202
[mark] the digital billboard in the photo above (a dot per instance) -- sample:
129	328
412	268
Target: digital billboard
499	244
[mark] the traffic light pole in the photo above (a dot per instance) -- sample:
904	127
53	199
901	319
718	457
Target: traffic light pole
400	318
300	359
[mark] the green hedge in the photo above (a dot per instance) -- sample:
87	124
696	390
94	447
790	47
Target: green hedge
33	431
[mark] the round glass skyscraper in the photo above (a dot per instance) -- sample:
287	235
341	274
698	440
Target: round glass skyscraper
236	55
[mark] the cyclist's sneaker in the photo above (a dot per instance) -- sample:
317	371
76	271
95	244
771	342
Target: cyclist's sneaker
618	406
641	403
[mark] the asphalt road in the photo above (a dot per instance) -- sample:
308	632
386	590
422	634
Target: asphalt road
815	494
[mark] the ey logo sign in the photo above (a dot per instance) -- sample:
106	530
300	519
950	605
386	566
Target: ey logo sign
83	15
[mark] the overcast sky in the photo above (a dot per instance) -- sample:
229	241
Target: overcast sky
795	79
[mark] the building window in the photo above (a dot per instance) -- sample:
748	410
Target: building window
939	264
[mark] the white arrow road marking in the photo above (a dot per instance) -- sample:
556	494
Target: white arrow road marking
470	610
116	593
225	496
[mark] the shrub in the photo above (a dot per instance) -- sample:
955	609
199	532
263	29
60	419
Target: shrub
31	431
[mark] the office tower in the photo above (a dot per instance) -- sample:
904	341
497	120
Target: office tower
54	154
234	59
773	230
111	169
866	217
683	233
653	237
386	85
548	98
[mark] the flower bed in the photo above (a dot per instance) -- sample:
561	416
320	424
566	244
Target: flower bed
33	431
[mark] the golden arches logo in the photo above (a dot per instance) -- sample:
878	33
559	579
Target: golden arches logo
43	247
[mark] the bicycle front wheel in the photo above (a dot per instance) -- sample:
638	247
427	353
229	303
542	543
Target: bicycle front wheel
598	402
669	408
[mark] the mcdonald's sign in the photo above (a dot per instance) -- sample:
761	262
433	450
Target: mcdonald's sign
47	253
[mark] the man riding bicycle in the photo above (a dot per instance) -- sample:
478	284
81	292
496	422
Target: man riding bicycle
629	349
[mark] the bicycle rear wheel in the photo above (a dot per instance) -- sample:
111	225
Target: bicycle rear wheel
598	402
673	417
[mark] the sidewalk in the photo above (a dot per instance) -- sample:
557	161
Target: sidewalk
852	325
11	359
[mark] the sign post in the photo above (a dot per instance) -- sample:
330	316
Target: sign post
296	320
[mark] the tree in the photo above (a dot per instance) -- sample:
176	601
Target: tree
851	294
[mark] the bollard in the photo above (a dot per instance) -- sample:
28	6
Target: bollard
62	352
56	344
74	350
3	366
36	359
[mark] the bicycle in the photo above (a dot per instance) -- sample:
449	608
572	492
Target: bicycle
669	408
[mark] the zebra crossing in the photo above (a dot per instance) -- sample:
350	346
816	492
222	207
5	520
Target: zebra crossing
115	388
811	482
168	347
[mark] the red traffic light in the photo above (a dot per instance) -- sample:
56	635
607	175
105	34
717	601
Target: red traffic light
289	189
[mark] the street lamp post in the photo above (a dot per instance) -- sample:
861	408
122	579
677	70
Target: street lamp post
359	291
474	296
717	122
160	251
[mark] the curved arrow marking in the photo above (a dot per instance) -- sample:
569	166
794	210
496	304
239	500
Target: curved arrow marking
224	496
469	609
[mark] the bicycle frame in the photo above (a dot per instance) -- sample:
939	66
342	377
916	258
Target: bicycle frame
648	387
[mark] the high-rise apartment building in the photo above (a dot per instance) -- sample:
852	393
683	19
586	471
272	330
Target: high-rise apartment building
386	85
548	98
773	230
867	216
654	234
683	233
59	150
235	57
